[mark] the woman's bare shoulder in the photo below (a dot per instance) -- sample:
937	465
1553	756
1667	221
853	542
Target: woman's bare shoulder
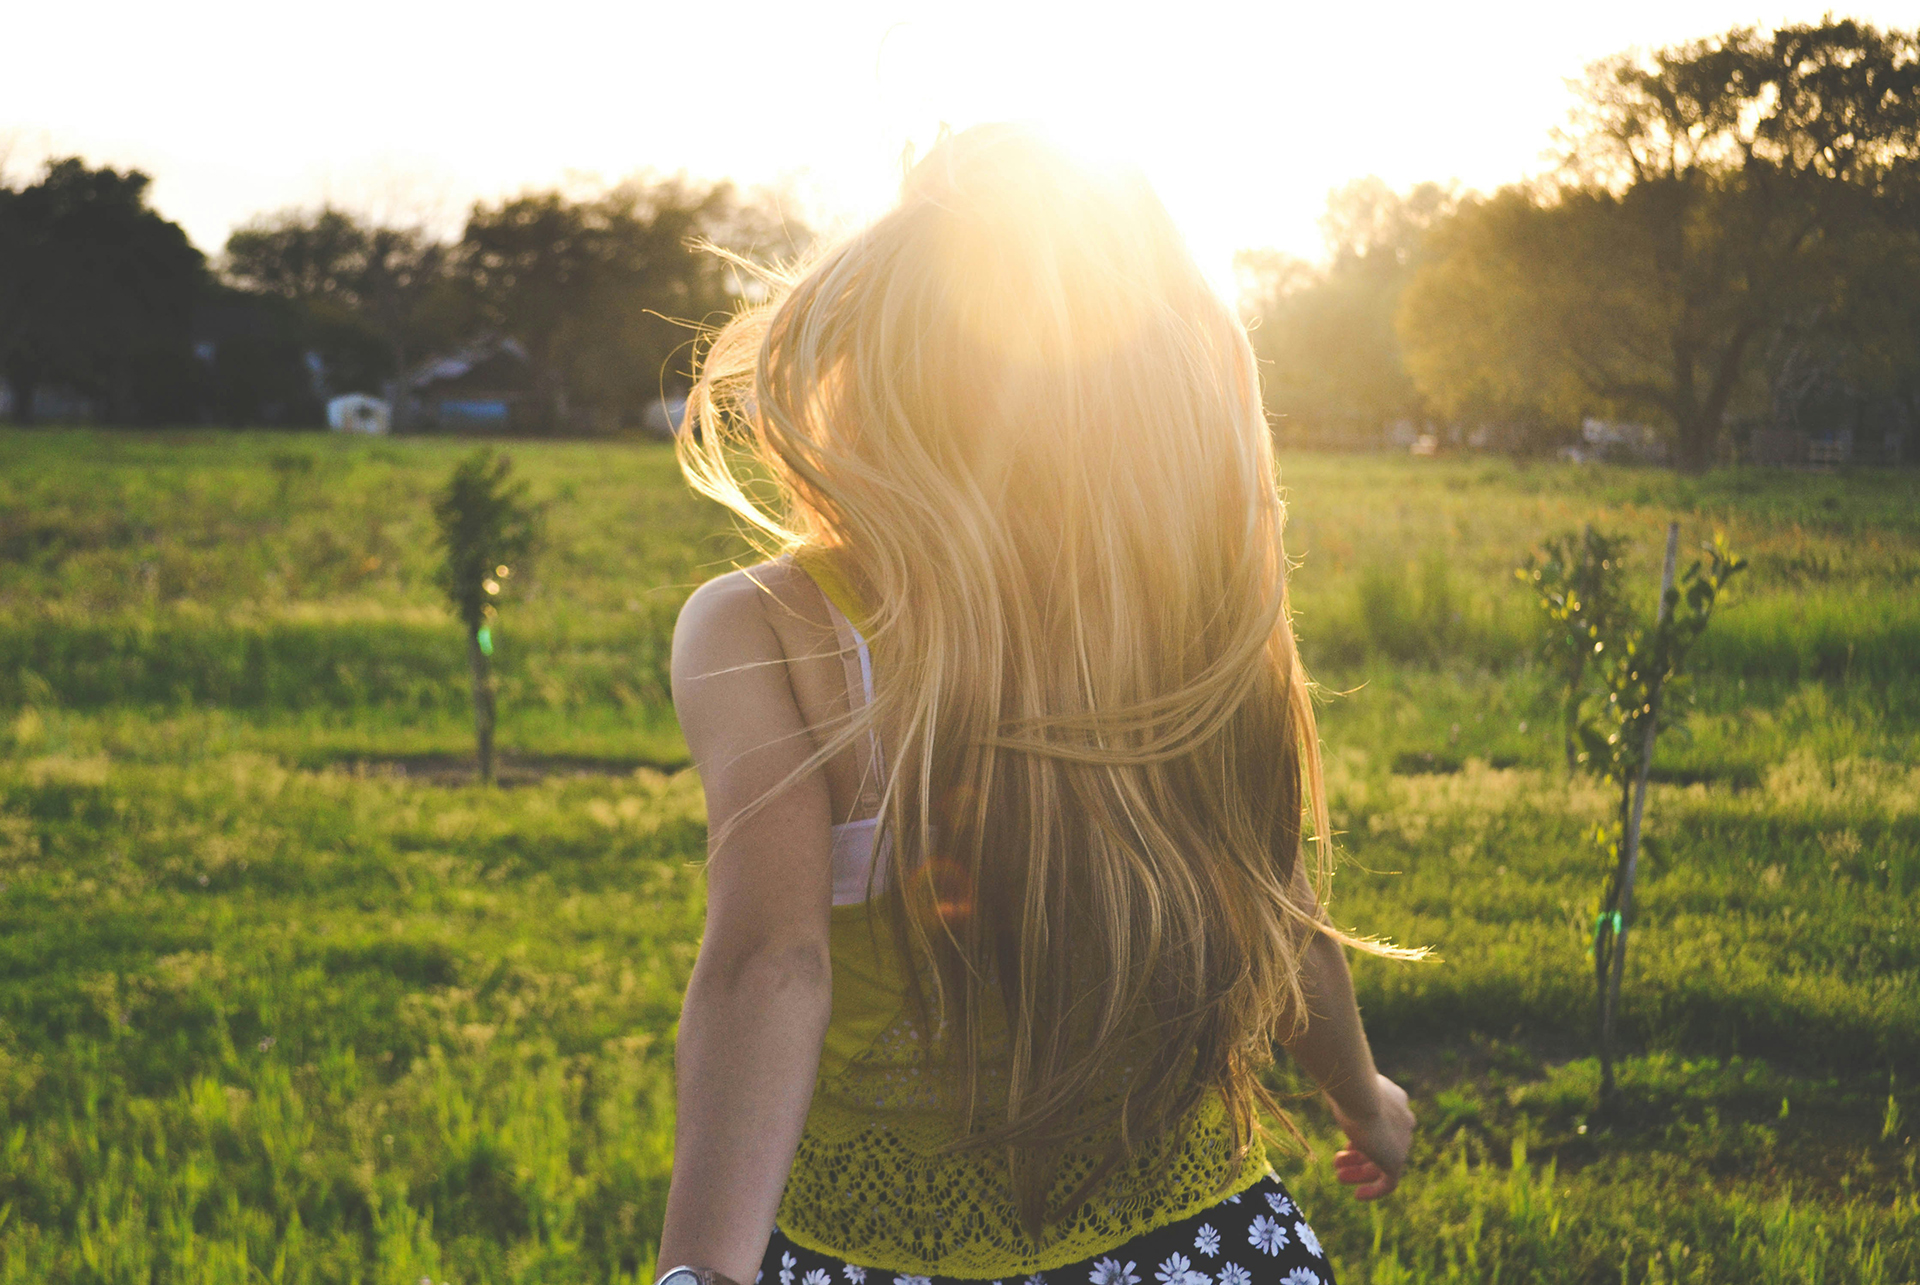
765	612
768	593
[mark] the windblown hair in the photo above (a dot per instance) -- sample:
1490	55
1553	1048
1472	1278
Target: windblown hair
1024	427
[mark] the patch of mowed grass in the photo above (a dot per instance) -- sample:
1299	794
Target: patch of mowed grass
406	1031
604	738
1474	1217
1720	1170
332	1027
350	1028
1777	921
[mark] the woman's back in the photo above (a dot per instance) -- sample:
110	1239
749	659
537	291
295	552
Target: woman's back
883	1121
1016	438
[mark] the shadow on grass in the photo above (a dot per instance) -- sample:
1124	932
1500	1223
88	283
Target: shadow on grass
511	769
1736	776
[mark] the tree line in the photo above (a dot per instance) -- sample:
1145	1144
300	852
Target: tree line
1728	246
107	303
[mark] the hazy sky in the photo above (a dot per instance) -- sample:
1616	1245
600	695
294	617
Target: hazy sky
1243	114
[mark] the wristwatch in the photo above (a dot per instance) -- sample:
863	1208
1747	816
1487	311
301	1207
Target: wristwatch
693	1276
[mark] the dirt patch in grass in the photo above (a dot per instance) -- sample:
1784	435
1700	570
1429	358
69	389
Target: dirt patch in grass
509	769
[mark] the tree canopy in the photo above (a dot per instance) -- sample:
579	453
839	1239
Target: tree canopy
97	292
600	290
356	279
1714	197
605	291
1325	334
1730	240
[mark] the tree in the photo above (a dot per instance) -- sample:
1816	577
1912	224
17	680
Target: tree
487	527
384	280
1638	672
306	256
602	290
257	371
97	291
1856	349
400	272
1325	334
1709	192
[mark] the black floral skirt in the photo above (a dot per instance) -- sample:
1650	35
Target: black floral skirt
1258	1237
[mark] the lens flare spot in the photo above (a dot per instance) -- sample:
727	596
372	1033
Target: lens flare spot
946	889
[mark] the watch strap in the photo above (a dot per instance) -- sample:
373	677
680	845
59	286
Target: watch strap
704	1275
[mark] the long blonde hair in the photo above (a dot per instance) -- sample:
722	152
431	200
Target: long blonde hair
1025	428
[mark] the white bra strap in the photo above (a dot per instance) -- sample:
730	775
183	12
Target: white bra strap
866	665
858	661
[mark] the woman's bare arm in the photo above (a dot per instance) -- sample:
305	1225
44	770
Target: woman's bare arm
1332	1048
757	1006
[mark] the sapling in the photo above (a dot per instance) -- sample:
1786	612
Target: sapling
488	529
1638	672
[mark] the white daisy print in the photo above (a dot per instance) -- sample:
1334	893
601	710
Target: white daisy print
855	1275
787	1264
818	1276
1110	1271
1301	1276
913	1280
1307	1238
1279	1203
1266	1235
1234	1199
1174	1271
1234	1274
1036	1279
1206	1240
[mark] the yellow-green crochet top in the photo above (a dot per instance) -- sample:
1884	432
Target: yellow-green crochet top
870	1183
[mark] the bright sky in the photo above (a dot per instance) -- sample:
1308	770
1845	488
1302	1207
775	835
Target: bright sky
1244	115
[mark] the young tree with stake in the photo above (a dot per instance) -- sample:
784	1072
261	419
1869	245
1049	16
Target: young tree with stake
1620	680
487	526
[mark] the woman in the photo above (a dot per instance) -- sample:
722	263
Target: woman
1007	755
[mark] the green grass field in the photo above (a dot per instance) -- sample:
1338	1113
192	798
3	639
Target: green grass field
282	999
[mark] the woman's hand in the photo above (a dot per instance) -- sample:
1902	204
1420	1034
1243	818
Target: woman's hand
1378	1142
1332	1048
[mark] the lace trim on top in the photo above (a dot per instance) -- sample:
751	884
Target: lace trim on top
874	1181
